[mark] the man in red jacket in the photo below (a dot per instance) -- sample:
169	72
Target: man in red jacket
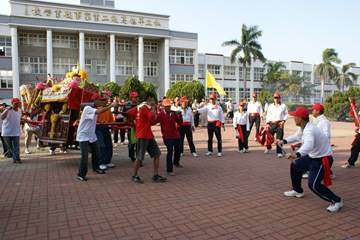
169	122
145	116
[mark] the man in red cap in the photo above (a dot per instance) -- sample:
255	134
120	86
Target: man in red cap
314	155
320	120
187	127
11	128
255	110
215	117
276	116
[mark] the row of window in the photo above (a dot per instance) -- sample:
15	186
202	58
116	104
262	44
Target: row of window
71	41
180	77
6	79
181	56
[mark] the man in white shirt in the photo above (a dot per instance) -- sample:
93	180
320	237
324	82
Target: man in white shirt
187	127
320	120
255	110
215	118
11	128
314	155
229	109
276	116
87	138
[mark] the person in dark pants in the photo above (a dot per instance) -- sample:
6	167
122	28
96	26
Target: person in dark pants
241	124
196	115
187	127
315	156
87	138
215	117
355	150
254	108
6	151
10	131
169	122
131	132
276	117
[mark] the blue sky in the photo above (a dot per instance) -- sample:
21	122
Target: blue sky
292	30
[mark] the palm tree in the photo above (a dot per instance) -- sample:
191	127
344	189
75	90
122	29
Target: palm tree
246	50
345	78
326	70
272	76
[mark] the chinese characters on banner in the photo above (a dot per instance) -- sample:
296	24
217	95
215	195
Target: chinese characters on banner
122	19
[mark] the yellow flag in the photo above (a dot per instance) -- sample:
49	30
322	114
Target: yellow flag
212	83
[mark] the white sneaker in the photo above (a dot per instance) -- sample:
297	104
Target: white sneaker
219	154
305	175
246	151
102	167
347	165
280	155
267	151
27	151
194	154
110	165
240	151
52	152
335	207
293	193
208	154
333	176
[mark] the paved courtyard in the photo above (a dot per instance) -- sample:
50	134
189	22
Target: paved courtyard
233	197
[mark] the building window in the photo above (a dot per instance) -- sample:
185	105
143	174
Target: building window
241	73
33	65
100	66
230	93
151	47
32	39
229	70
181	56
201	70
65	41
124	68
6	79
181	77
5	46
88	65
214	69
258	74
151	69
95	43
123	45
63	65
296	73
247	74
307	76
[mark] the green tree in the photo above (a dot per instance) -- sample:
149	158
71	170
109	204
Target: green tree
246	50
345	78
327	70
142	88
265	96
272	76
192	89
113	87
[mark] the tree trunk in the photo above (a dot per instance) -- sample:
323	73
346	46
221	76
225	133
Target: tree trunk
322	89
244	95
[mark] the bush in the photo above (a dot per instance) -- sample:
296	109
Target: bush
265	96
337	106
142	88
113	87
192	89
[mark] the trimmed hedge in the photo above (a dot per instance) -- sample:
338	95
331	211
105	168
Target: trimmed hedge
133	84
191	89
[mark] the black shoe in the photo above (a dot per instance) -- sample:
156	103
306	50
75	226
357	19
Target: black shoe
81	178
99	171
137	179
158	179
179	166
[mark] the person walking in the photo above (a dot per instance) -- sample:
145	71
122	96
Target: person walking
187	127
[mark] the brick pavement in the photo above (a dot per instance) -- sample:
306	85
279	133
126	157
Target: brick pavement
234	197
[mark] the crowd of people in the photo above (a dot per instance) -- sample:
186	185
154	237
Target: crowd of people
311	156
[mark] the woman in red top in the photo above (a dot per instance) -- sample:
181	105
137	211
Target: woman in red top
169	122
